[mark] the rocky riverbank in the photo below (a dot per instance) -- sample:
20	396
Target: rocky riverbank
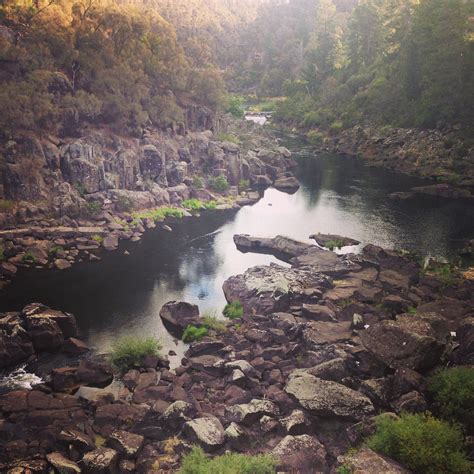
324	347
437	154
65	200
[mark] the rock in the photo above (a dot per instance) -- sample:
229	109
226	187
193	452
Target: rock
268	289
301	453
326	398
100	461
296	423
15	344
443	190
287	185
45	334
412	402
62	264
318	312
208	432
408	342
74	346
79	440
110	242
366	461
334	369
8	268
62	464
176	316
126	443
333	240
249	413
235	436
281	247
465	334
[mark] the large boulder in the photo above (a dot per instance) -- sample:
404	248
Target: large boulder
176	315
249	413
326	398
465	352
268	289
15	343
100	461
208	432
408	342
301	453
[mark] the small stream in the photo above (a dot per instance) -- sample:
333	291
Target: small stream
122	294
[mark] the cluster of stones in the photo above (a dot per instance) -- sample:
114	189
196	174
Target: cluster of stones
324	348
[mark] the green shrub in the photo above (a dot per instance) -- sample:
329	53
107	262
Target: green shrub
28	258
453	390
314	137
227	137
196	462
244	184
344	469
192	204
336	126
421	443
219	184
209	205
334	244
194	333
55	250
235	106
6	205
197	182
233	310
130	351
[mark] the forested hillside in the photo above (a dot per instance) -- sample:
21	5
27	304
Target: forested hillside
400	62
65	64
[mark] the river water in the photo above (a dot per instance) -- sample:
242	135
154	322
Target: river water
122	294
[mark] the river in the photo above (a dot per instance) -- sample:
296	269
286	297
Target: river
122	294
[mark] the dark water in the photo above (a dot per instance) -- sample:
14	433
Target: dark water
123	294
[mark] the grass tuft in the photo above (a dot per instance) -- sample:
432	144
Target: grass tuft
194	333
233	310
129	351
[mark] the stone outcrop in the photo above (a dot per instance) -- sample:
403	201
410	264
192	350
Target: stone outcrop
177	315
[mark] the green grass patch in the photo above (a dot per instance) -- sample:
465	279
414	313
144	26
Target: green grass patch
192	204
233	310
453	391
219	184
6	205
97	238
212	322
196	462
194	333
129	351
421	443
158	214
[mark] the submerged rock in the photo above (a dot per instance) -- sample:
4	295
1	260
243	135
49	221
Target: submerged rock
333	240
287	184
176	315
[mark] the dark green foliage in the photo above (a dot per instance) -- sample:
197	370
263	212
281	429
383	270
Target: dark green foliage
197	182
129	352
196	462
235	106
244	184
28	258
55	250
194	333
6	205
219	184
233	310
453	390
421	443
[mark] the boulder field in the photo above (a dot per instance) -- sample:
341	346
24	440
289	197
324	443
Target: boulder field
324	347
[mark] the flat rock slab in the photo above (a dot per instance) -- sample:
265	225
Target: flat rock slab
271	288
300	453
283	248
325	261
326	398
322	332
333	241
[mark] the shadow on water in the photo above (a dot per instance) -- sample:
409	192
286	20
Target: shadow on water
122	294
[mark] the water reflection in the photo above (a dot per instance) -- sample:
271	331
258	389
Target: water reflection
123	294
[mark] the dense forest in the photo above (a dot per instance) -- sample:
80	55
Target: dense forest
124	64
